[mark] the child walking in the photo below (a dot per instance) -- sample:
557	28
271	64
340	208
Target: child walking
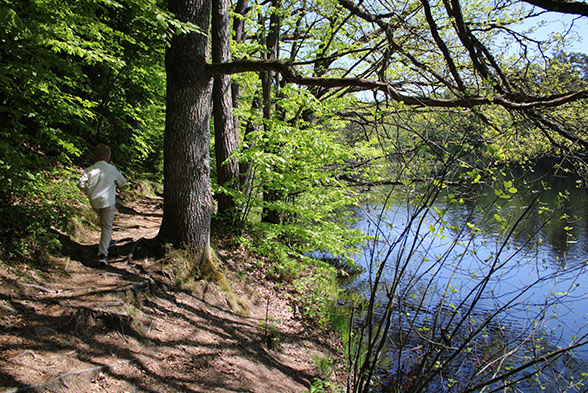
99	182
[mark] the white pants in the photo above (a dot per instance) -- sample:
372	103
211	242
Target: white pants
106	215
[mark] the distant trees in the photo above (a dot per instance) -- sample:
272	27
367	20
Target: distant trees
226	125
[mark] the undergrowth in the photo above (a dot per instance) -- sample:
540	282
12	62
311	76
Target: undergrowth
314	284
37	207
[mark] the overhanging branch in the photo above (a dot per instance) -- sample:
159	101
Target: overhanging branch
563	6
287	70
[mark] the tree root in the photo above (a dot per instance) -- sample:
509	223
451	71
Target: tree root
86	319
61	379
132	287
8	309
37	287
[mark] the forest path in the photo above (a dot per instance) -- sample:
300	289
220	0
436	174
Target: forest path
127	328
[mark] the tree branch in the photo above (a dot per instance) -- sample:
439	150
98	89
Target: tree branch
289	73
441	44
563	6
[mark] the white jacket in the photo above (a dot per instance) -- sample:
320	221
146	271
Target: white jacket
98	182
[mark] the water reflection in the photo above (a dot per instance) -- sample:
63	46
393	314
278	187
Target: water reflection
494	271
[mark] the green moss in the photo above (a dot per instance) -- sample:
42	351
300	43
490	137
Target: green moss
187	268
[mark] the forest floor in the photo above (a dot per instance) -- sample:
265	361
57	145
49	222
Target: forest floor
76	327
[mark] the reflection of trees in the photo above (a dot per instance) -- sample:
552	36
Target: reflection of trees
444	313
557	219
495	342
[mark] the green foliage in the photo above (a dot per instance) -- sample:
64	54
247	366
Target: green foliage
322	386
325	367
73	74
76	73
317	292
38	208
314	283
300	163
516	139
270	332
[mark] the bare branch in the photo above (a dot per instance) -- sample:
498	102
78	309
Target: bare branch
441	44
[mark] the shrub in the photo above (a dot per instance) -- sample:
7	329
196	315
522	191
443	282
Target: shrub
38	207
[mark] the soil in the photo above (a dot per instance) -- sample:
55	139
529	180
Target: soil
78	327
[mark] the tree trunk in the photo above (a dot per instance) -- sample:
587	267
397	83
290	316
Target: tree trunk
245	168
188	204
226	132
270	214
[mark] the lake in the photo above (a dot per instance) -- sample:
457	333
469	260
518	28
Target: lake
479	277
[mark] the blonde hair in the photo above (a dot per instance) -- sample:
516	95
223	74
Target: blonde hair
101	153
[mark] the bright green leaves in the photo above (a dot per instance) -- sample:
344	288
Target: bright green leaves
72	74
299	154
507	192
75	72
509	187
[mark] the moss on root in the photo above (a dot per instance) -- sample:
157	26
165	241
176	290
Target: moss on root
188	269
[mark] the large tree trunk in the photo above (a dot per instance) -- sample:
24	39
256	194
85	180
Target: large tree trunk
226	133
188	204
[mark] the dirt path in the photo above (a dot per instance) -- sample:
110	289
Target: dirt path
127	328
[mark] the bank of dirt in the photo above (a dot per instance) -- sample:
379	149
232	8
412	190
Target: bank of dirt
76	327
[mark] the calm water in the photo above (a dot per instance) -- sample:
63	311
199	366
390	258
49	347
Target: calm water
439	257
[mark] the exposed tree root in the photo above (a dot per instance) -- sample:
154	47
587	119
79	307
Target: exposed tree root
132	287
37	287
60	381
92	318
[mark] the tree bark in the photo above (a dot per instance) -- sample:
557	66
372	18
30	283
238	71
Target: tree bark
245	168
226	133
188	204
270	214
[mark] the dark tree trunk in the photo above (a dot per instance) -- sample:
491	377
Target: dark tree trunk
226	133
270	214
188	204
239	36
246	168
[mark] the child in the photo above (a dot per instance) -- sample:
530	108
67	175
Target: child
98	182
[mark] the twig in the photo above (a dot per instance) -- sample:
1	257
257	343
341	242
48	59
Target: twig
26	352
